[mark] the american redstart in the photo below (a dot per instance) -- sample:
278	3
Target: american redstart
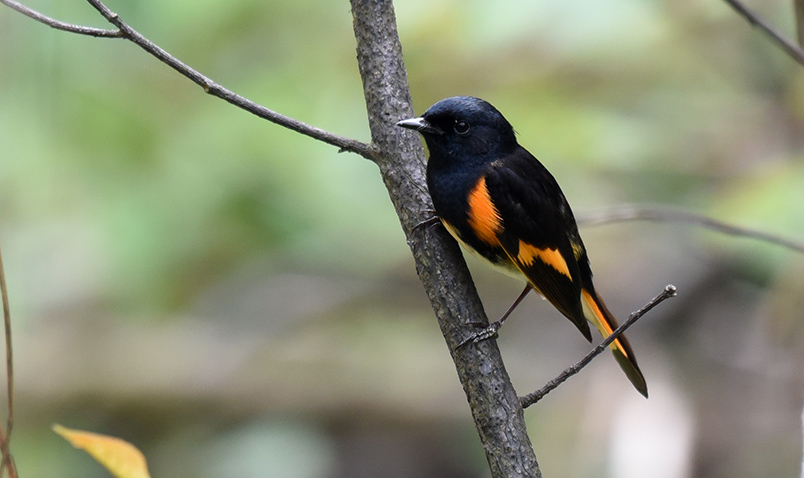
501	203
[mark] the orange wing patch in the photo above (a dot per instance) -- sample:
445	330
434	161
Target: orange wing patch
484	218
528	254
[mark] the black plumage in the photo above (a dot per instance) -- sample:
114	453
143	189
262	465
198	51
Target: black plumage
500	202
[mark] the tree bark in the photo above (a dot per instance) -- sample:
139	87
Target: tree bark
495	407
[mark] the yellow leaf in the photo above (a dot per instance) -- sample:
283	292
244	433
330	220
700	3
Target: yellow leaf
120	457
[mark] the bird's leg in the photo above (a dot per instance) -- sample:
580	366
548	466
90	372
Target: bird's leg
494	327
519	299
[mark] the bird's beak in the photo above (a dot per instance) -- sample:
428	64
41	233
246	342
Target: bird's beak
419	124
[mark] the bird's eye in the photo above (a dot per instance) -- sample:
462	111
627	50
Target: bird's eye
461	127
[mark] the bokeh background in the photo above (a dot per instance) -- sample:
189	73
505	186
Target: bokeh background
238	300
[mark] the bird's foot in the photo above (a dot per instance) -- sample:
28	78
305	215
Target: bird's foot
485	333
429	222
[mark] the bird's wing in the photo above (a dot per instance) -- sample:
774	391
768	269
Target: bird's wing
539	233
541	238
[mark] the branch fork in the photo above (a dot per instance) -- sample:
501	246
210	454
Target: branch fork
438	262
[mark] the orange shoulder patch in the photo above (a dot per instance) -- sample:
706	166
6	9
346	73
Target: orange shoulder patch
484	218
528	254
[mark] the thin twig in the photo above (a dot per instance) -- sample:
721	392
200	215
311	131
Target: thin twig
214	89
531	398
798	8
365	150
802	456
59	25
788	46
647	213
5	436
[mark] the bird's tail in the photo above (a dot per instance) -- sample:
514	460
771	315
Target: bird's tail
596	312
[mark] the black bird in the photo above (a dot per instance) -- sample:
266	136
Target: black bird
501	203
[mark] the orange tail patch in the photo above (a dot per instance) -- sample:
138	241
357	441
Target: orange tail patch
601	318
598	319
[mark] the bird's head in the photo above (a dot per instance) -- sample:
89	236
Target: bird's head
463	127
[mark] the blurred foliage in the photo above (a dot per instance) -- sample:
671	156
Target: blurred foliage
191	278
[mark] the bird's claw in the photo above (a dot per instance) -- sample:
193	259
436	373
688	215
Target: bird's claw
484	334
430	222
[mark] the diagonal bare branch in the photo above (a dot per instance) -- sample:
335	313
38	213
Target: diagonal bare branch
59	25
777	38
125	31
798	7
531	398
647	213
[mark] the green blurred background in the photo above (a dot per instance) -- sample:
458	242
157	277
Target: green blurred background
238	300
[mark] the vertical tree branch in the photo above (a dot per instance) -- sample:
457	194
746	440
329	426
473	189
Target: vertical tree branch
802	450
495	407
5	436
